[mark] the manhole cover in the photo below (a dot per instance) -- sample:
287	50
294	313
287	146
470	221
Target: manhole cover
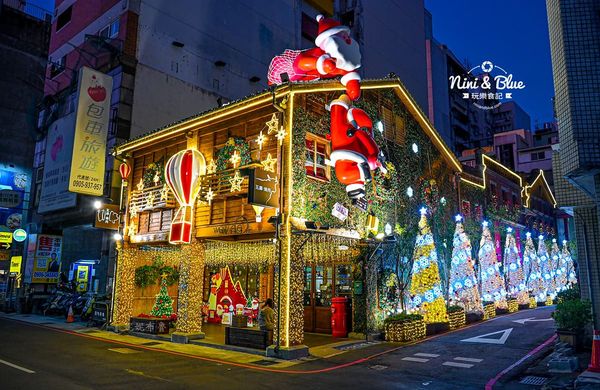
265	362
124	350
378	367
148	344
534	380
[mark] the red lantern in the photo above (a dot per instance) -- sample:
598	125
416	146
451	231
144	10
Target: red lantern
182	173
124	170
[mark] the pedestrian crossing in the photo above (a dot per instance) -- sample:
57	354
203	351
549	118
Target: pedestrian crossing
458	361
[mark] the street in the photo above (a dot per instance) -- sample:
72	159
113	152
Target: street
34	356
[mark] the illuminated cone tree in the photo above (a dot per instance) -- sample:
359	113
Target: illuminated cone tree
426	286
492	282
560	279
569	265
463	283
535	284
547	268
163	306
515	280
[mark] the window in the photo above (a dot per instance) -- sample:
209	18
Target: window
110	31
64	18
310	27
538	156
57	67
317	150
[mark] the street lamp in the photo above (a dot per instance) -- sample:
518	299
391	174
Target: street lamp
98	204
117	237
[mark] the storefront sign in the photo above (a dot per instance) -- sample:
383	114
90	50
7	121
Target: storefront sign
46	265
19	235
6	237
15	264
57	166
339	211
263	188
232	228
108	217
10	198
149	325
91	129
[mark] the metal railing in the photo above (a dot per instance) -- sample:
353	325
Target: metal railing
28	8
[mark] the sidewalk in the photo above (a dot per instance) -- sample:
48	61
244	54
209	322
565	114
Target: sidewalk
354	349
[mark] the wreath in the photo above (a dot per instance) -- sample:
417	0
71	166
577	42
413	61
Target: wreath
233	144
147	275
151	171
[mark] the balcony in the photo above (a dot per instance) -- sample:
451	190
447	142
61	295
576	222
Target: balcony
152	198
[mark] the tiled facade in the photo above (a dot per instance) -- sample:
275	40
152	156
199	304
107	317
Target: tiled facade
574	27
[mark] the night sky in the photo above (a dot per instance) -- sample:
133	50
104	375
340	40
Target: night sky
510	33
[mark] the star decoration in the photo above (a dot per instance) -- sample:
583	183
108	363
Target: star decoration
261	139
235	159
150	200
281	135
131	230
236	182
273	124
156	179
133	211
211	167
269	163
209	195
164	193
140	185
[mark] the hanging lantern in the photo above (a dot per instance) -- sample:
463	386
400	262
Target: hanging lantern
124	170
182	173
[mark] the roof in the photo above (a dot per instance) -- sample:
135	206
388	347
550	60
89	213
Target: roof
265	97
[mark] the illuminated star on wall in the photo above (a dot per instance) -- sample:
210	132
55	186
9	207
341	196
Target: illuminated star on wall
281	135
235	159
261	139
273	124
140	185
164	193
269	163
211	167
236	182
209	195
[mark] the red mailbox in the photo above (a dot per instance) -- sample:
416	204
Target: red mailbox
339	326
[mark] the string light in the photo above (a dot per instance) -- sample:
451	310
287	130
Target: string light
261	139
150	200
211	167
140	185
235	158
209	195
273	124
406	330
164	193
236	182
269	163
281	135
156	179
457	318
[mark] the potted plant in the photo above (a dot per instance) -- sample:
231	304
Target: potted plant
489	310
571	317
456	316
513	305
404	327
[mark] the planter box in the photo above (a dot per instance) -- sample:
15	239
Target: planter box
549	301
239	321
474	317
500	311
248	337
524	306
149	325
404	331
457	319
489	310
437	327
573	338
513	305
532	303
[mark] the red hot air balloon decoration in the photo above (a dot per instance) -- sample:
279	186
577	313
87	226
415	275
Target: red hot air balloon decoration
124	170
182	173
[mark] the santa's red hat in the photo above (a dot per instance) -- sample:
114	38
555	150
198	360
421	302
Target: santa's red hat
327	28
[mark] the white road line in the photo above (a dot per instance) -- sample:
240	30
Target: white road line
17	367
414	359
464	359
429	355
454	364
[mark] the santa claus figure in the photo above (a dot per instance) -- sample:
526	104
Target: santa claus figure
354	151
336	54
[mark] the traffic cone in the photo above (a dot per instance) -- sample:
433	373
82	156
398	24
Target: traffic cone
70	317
595	362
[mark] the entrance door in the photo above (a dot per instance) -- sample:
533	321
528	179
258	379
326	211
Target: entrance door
321	283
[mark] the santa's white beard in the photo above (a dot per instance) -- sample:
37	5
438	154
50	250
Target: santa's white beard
347	56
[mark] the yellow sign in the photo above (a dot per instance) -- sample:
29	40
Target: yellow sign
6	237
15	264
91	129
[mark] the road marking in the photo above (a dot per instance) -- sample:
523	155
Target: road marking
472	360
454	364
532	319
429	355
17	367
414	359
484	340
124	350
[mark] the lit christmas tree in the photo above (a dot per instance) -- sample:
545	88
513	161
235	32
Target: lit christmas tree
569	265
163	306
515	280
547	268
463	282
561	269
535	284
426	286
492	282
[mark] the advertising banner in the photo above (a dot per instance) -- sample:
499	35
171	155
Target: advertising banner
15	264
46	265
91	130
29	258
57	164
14	184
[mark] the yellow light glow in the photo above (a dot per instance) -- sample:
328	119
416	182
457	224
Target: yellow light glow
269	163
236	182
529	187
261	139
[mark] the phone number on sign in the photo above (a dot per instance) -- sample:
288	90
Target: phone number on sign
87	184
